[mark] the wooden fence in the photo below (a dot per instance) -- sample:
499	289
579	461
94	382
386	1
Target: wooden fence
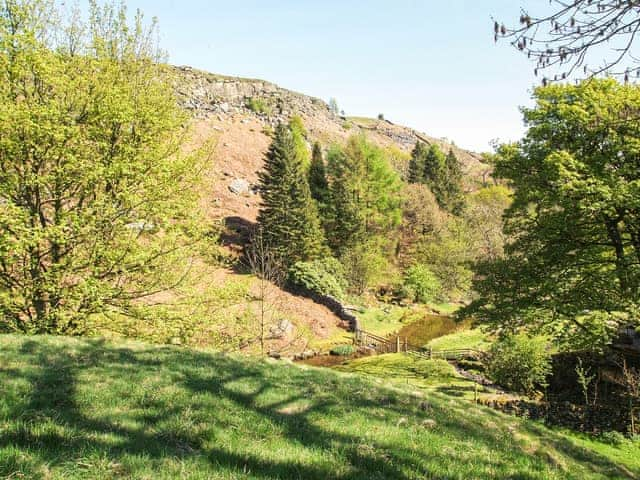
401	345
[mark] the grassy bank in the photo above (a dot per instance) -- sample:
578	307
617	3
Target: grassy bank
85	409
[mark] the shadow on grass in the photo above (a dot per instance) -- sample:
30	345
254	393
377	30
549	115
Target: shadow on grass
220	410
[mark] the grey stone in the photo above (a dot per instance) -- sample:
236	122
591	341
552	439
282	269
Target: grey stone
239	186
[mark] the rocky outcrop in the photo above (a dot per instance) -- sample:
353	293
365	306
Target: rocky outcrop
207	93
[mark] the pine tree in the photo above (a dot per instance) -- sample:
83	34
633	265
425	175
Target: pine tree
318	177
288	217
434	165
345	223
453	196
416	164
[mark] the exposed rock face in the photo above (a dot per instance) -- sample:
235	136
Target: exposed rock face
207	93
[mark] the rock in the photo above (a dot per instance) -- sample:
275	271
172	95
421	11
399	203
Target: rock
429	423
224	107
239	186
275	355
284	328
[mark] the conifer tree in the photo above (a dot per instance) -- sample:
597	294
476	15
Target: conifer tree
288	216
434	165
451	188
318	177
417	163
345	226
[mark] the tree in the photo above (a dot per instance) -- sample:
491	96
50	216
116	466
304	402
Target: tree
265	264
299	139
364	192
484	217
520	363
568	36
450	188
318	183
417	163
434	165
91	175
288	216
572	264
333	106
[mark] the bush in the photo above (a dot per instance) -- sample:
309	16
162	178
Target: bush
342	350
258	105
520	363
421	284
612	438
324	277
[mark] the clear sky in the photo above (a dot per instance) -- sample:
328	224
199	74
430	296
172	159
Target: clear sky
431	65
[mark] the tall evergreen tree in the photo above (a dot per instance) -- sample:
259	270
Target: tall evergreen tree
434	165
417	163
318	177
288	217
451	188
345	226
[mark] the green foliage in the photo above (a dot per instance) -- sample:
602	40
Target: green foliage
449	254
299	134
483	215
421	284
364	207
520	363
450	188
324	276
288	217
93	209
318	183
258	105
343	350
442	174
366	265
572	266
613	438
417	163
434	168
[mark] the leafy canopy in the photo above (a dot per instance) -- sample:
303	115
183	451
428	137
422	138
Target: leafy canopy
572	266
92	180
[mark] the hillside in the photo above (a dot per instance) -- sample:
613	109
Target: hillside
237	115
93	410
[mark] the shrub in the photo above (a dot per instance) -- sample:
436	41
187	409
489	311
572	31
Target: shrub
342	350
323	276
421	284
612	438
258	105
520	363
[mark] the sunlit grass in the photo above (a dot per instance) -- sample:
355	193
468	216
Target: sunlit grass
87	409
467	338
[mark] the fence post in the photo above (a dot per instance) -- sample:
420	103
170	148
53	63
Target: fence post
398	344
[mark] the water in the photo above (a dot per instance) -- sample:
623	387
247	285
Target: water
422	331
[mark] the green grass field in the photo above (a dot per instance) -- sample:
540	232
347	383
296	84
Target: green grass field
473	338
87	409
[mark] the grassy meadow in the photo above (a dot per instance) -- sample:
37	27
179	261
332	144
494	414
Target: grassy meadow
90	409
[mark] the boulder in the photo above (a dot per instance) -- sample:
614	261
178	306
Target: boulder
239	186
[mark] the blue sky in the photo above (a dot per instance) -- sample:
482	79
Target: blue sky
431	65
